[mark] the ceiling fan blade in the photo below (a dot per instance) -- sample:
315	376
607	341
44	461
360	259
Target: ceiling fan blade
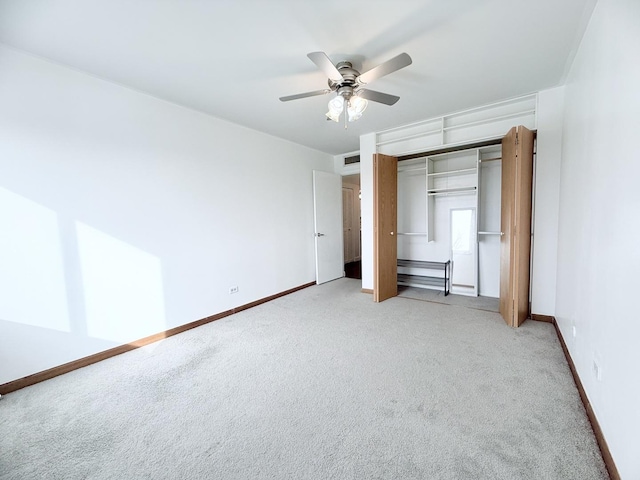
324	63
305	95
390	66
378	96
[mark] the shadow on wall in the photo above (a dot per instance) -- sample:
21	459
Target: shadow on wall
60	274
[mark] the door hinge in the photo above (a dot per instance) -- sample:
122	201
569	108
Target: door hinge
516	138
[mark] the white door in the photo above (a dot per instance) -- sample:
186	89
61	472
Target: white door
464	272
327	207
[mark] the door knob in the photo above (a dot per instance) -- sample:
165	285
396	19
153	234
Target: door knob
391	233
319	234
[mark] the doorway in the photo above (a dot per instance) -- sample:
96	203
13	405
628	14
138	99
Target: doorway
351	226
328	235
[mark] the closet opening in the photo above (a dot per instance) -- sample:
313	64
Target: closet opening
413	200
449	207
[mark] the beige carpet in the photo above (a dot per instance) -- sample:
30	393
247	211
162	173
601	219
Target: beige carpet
320	384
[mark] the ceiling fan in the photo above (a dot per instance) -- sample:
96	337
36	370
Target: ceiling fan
347	82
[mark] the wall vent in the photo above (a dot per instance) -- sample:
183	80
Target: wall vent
352	159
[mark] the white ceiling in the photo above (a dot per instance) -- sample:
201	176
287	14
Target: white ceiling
234	58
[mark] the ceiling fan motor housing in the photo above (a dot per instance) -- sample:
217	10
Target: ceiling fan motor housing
347	86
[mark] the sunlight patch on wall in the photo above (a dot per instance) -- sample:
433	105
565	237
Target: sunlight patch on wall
32	279
123	289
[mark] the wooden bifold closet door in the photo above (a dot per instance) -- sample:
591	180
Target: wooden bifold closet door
385	211
515	243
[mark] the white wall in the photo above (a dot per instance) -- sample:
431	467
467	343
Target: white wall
340	168
599	229
367	150
123	215
546	199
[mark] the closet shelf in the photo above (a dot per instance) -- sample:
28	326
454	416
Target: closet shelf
410	280
462	171
410	169
426	279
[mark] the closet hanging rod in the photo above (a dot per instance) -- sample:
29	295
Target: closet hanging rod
490	159
452	189
446	194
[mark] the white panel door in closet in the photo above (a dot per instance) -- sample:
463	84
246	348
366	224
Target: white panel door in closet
464	243
327	207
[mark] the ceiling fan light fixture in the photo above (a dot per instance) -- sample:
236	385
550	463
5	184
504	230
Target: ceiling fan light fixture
333	116
336	106
357	105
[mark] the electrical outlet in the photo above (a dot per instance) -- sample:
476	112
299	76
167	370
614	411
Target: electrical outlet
233	289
